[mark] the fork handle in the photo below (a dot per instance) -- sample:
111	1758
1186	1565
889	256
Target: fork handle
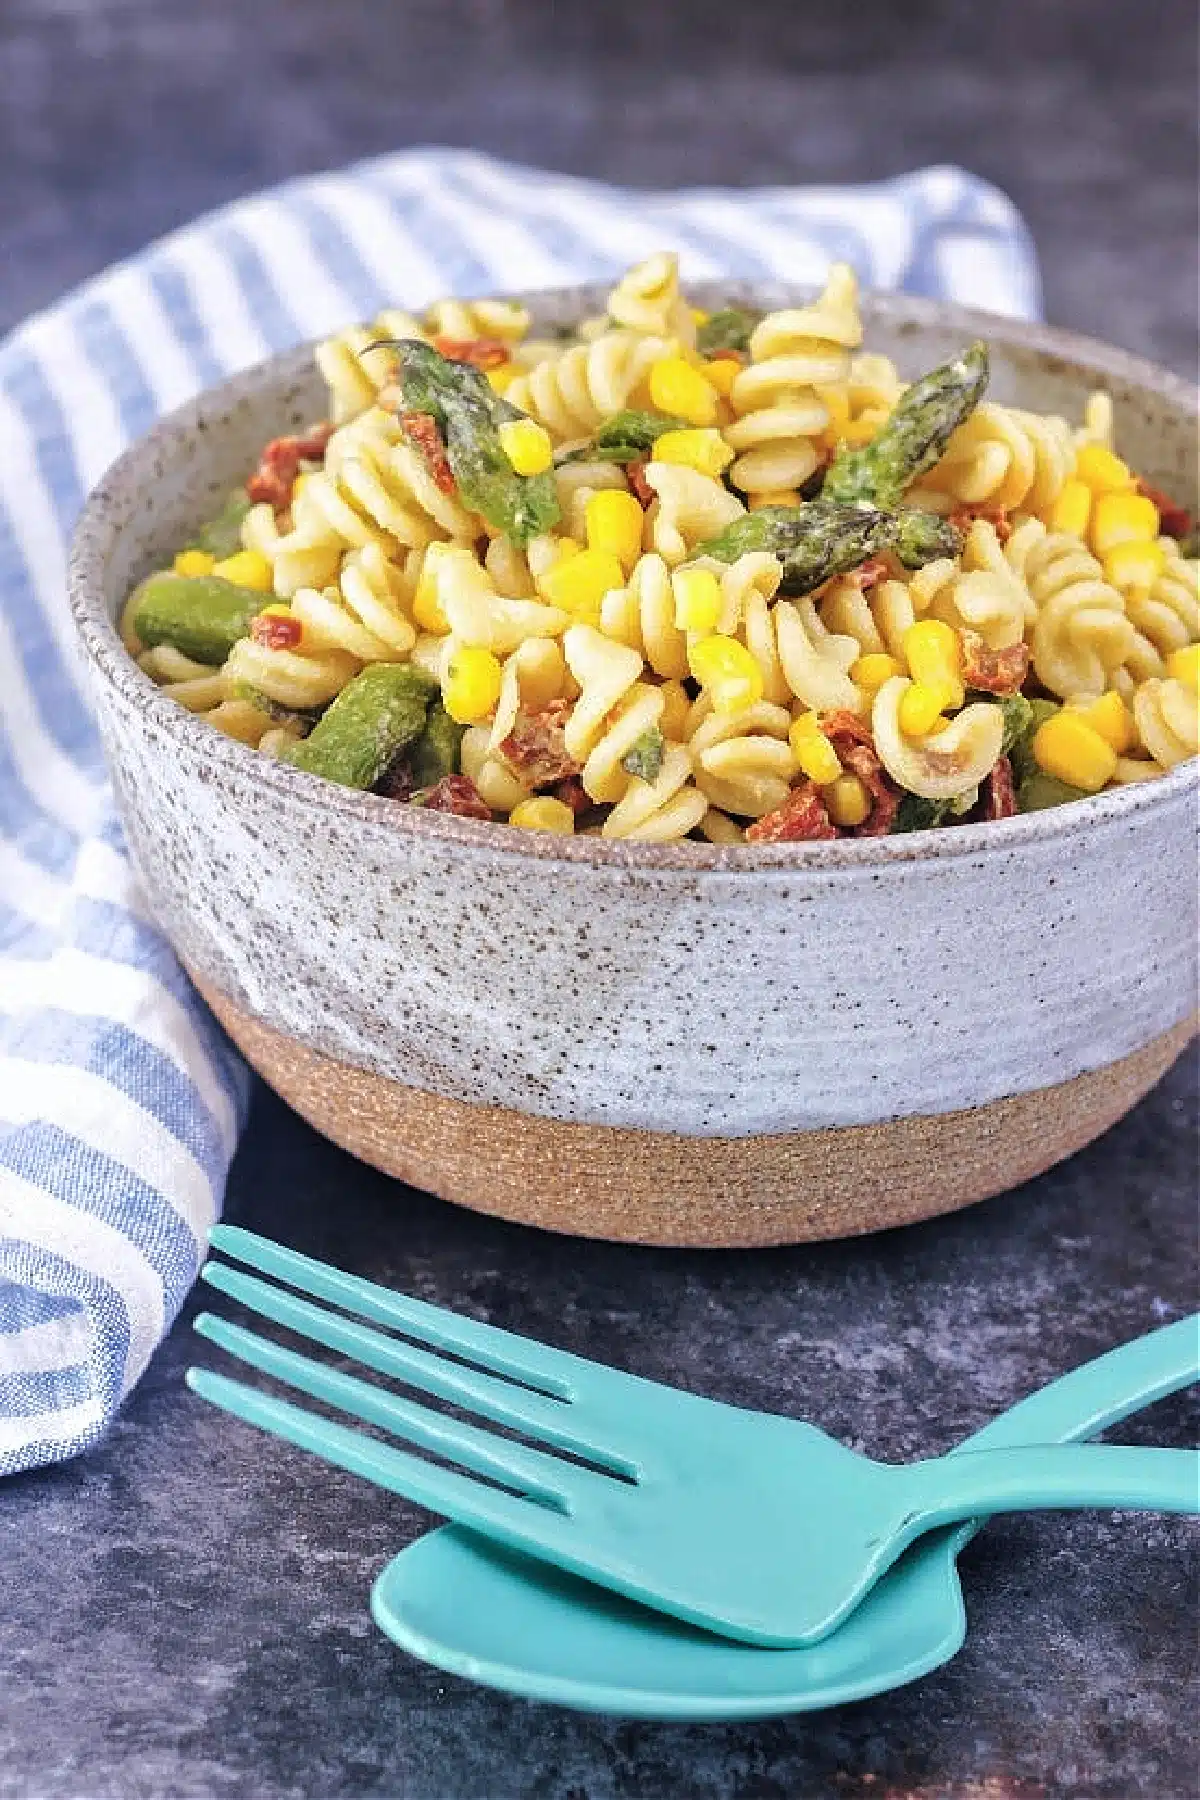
950	1488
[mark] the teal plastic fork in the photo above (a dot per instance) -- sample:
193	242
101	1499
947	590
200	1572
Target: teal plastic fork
757	1527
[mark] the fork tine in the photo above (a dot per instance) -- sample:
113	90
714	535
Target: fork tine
533	1471
535	1414
555	1372
511	1520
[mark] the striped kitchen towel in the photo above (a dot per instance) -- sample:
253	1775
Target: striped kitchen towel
120	1102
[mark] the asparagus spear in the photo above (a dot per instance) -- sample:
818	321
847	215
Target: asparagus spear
813	542
469	413
435	753
625	437
371	720
914	435
919	537
202	615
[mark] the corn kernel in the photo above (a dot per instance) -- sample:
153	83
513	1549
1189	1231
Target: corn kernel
933	650
471	684
699	316
1184	665
921	708
677	388
848	801
527	446
194	562
872	670
721	372
698	599
705	451
543	813
614	523
1068	748
860	430
579	583
773	497
249	568
813	751
426	606
1099	469
502	377
1134	565
1123	519
677	704
727	672
1108	716
1072	509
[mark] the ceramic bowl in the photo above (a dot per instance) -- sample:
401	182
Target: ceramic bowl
674	1044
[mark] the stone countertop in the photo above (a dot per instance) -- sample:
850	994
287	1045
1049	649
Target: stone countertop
184	1611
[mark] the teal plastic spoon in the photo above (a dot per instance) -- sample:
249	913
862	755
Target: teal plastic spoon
494	1616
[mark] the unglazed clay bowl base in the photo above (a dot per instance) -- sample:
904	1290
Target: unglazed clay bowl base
663	1043
647	1187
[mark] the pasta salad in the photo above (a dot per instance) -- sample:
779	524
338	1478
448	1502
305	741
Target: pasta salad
682	574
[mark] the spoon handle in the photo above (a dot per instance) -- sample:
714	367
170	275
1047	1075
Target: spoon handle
951	1488
1101	1392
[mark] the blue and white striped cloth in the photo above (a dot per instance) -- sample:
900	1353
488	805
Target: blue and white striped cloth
120	1102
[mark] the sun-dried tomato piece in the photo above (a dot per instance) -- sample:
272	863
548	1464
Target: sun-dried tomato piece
572	793
279	464
965	516
536	750
276	631
480	352
993	671
1175	521
454	794
847	726
639	487
802	819
421	430
885	795
999	791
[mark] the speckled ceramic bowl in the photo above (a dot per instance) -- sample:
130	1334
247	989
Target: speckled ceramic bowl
677	1044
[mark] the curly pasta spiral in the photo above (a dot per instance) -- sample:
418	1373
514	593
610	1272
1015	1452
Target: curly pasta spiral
743	762
1166	715
642	615
1081	635
690	508
575	390
779	412
876	618
798	655
986	595
647	299
662	810
300	679
1004	457
355	368
952	761
1165	616
477	614
605	673
361	614
505	320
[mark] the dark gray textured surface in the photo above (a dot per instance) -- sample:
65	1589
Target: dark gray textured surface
184	1612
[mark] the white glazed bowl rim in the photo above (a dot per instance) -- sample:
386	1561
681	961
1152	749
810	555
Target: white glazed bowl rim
96	531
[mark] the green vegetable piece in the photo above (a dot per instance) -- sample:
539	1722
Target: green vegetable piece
913	436
915	813
1018	715
813	541
469	414
728	329
1040	790
644	758
435	754
1019	743
369	722
626	437
202	615
919	537
222	536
